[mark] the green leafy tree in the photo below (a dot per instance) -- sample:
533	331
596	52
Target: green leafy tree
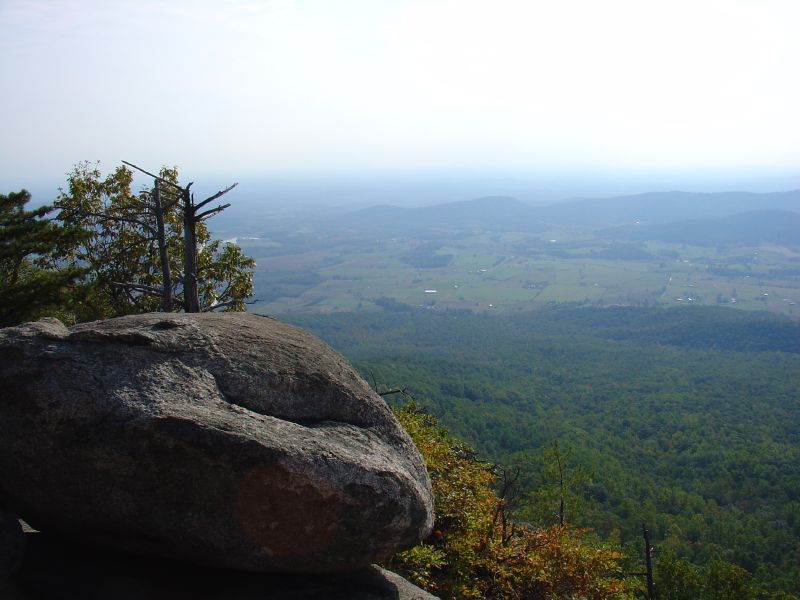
677	579
559	494
133	249
28	242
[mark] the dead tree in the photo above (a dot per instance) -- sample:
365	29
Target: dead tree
648	561
509	492
163	253
192	215
560	488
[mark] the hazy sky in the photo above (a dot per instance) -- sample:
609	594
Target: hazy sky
292	86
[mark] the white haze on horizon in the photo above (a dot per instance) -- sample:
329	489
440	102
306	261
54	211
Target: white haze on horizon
249	89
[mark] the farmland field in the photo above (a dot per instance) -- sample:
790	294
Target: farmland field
316	272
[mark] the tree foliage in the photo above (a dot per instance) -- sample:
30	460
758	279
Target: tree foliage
28	241
559	488
677	579
120	250
475	551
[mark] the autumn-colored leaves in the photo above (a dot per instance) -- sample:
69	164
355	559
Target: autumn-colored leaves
476	551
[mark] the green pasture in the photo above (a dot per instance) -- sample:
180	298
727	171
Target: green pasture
490	269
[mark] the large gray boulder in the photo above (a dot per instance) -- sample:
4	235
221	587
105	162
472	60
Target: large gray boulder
229	440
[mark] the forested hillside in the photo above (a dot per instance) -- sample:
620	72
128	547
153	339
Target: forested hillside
685	419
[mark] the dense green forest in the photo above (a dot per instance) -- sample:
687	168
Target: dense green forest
685	419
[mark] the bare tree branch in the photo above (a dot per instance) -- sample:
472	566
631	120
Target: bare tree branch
125	249
112	218
175	185
217	195
139	287
393	391
210	213
214	307
402	391
373	380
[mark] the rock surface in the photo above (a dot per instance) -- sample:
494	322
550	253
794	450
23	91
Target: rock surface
11	543
57	570
230	440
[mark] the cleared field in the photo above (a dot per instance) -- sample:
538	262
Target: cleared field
512	271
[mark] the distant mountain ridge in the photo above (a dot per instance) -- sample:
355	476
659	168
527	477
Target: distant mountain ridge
665	207
490	212
504	213
753	227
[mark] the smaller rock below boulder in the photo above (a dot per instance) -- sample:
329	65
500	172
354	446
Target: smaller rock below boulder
55	569
12	543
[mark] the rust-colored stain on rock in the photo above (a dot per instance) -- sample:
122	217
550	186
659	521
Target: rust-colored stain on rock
285	513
